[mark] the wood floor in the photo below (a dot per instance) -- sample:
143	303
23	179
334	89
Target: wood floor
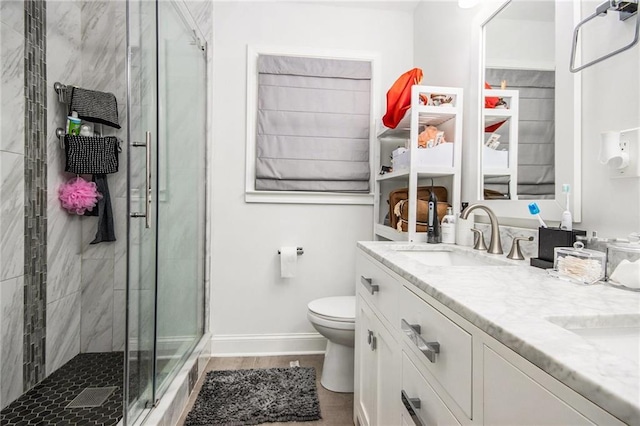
336	408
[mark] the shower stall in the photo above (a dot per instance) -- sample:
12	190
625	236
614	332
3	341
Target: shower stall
166	174
97	333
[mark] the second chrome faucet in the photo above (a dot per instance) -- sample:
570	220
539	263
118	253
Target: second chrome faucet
495	247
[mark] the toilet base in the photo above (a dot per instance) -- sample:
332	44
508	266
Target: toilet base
337	372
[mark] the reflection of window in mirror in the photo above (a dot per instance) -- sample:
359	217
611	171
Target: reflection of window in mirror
519	115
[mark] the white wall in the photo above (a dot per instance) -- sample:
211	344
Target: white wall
520	43
610	101
447	64
248	296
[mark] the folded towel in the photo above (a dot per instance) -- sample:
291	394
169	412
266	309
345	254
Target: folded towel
106	231
93	106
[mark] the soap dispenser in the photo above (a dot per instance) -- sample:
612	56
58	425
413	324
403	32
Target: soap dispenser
433	229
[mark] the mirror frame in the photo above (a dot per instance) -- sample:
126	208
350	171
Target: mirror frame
568	111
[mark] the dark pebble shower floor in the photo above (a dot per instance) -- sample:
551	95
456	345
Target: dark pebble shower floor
45	404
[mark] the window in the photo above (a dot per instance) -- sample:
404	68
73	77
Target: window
310	128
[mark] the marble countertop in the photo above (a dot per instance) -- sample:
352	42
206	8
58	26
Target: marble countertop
516	304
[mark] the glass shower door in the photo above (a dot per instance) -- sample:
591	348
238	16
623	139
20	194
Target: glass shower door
142	120
166	151
181	191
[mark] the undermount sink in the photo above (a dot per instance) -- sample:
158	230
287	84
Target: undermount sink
449	258
619	334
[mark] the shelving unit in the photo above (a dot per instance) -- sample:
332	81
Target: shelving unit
447	118
495	115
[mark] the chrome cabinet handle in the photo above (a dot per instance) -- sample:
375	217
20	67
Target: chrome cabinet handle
429	349
366	282
412	404
147	180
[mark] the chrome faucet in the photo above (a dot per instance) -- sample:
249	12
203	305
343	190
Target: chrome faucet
495	247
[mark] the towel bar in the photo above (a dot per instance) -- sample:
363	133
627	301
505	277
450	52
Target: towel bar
626	9
61	90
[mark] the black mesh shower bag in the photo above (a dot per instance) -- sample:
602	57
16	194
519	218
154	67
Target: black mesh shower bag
91	154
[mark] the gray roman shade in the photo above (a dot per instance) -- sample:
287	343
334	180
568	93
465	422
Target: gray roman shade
313	120
536	132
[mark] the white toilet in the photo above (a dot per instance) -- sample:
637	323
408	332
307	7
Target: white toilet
334	318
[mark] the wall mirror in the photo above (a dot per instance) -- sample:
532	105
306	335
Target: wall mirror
529	108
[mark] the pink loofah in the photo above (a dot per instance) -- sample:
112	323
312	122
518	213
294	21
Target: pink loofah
78	195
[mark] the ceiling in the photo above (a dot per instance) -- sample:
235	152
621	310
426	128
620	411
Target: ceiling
539	10
401	5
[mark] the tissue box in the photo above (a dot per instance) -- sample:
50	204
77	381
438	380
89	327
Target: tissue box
438	156
623	264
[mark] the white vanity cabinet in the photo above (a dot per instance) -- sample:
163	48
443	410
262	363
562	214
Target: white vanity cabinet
511	397
418	362
441	346
421	404
377	352
377	365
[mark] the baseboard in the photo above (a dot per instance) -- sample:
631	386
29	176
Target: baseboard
267	344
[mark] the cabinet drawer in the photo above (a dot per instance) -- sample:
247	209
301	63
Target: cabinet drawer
421	404
512	397
443	348
378	288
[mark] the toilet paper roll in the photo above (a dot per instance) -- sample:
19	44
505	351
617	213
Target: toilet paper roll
288	261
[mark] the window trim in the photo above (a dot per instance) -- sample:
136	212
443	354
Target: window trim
305	197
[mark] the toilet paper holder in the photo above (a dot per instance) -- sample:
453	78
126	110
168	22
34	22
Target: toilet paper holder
299	251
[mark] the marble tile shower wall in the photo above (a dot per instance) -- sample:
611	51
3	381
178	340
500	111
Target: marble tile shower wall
85	47
103	67
64	259
11	200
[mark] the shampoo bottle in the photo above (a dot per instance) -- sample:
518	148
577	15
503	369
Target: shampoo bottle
448	227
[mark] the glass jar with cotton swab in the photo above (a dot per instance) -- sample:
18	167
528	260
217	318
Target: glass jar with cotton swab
578	264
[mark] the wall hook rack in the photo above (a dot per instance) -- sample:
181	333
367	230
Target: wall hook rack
61	90
60	135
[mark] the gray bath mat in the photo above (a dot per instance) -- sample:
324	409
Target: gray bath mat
251	397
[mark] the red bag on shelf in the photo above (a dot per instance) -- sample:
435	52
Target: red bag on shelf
399	97
491	102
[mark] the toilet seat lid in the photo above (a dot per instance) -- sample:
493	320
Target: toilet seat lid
342	308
